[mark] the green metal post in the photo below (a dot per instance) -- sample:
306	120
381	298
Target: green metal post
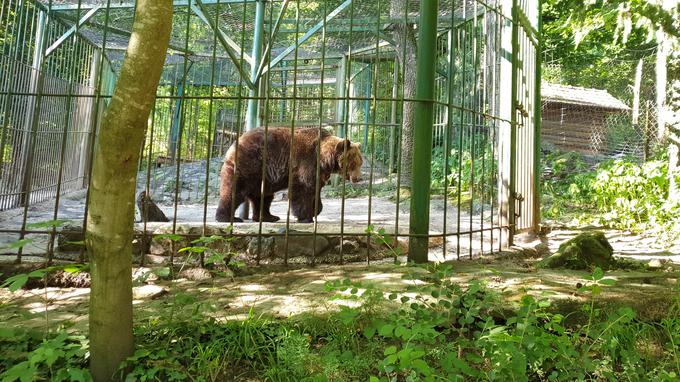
252	120
340	90
253	102
393	119
537	122
512	217
174	129
284	91
422	134
367	104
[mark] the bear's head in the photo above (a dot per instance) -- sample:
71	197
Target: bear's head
349	159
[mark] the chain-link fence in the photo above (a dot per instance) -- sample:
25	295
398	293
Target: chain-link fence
596	125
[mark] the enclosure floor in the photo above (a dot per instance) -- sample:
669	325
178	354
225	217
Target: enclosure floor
383	214
287	292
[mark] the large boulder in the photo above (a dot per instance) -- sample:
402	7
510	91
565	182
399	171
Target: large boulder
585	251
300	244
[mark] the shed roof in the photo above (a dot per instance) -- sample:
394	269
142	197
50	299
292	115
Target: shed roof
580	96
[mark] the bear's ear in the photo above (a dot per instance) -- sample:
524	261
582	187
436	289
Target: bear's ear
342	146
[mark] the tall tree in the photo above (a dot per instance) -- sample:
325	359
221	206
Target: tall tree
406	49
112	190
659	20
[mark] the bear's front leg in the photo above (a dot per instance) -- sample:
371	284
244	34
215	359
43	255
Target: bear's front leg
227	204
266	214
302	203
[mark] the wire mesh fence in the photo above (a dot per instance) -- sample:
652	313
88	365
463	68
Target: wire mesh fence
344	69
599	133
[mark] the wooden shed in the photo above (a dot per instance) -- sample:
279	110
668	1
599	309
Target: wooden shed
575	118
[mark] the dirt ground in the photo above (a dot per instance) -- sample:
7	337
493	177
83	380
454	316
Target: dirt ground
285	292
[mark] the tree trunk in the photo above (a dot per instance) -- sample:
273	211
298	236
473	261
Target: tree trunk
661	78
112	189
406	49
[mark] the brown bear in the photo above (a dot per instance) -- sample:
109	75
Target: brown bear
241	180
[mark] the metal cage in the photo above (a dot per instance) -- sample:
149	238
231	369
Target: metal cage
442	95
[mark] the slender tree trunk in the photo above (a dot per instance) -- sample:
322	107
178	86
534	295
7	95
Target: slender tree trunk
661	78
636	93
406	49
112	189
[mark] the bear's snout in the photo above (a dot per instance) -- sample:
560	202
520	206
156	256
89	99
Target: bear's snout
354	177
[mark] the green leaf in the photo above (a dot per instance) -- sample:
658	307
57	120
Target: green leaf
402	331
608	282
161	272
15	282
598	274
390	350
7	332
369	332
74	269
193	249
18	244
169	236
386	330
421	366
40	273
215	258
22	371
79	375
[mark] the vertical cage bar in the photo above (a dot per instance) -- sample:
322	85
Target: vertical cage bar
422	134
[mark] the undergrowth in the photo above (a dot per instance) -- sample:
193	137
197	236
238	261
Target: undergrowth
433	330
620	194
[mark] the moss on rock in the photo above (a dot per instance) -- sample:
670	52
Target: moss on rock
585	251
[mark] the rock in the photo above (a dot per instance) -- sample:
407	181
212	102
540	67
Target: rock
196	274
542	249
259	248
60	279
657	263
148	292
143	275
164	245
69	238
585	251
347	246
274	247
155	259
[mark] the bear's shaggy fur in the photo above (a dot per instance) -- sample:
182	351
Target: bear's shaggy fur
241	180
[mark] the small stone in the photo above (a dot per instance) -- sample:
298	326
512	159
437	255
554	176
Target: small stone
657	263
148	292
196	274
143	275
347	246
155	259
164	245
542	249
